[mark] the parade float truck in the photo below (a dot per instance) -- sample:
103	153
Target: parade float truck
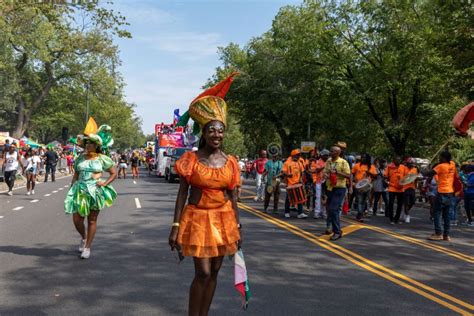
169	146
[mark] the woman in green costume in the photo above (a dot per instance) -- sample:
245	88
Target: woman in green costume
89	193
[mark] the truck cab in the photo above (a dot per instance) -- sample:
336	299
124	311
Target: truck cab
173	154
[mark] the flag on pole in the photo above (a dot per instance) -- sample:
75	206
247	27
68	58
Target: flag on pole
241	282
176	117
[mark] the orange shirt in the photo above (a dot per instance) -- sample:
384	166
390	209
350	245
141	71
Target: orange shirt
360	171
212	181
394	175
413	184
446	173
293	168
317	164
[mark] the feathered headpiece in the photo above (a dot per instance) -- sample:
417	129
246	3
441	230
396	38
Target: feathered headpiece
208	106
101	135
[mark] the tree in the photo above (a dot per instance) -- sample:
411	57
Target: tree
374	74
48	45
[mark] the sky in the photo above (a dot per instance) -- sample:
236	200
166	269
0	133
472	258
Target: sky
174	47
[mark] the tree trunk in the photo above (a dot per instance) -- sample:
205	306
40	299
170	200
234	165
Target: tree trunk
20	121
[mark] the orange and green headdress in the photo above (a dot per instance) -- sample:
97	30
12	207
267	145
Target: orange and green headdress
208	106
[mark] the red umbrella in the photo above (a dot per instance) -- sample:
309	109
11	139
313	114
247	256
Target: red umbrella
463	119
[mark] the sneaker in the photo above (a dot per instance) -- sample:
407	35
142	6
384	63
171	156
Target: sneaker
454	223
435	237
336	237
471	224
28	193
326	232
10	193
86	253
407	219
265	211
81	245
33	192
317	216
446	238
255	199
302	215
287	215
392	223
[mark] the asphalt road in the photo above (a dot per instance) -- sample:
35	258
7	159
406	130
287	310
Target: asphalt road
375	269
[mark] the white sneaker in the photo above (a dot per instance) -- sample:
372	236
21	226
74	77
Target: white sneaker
81	245
10	193
32	191
255	199
287	215
28	193
302	215
86	253
407	219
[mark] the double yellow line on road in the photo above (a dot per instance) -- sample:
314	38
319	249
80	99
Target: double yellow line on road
432	246
444	250
426	291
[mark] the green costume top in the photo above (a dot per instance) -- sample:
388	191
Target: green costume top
84	195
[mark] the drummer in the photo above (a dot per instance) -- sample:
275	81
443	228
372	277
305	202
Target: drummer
363	171
293	170
394	173
409	190
273	169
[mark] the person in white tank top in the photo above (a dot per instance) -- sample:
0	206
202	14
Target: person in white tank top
10	165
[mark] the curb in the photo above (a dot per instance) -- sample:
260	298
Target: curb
37	183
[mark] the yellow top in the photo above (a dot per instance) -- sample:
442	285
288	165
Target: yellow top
339	165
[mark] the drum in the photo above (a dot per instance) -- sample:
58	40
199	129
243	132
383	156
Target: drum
272	186
363	185
296	194
409	178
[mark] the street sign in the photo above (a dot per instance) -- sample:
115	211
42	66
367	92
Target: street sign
306	147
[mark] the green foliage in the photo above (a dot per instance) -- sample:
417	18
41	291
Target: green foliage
384	76
54	58
234	142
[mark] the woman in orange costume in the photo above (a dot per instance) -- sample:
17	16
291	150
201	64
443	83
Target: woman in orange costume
206	228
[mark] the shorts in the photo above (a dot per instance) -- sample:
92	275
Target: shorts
32	171
409	197
123	166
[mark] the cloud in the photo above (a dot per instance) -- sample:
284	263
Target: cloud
187	45
140	13
157	93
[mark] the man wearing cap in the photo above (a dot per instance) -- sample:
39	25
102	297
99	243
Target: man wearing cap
337	173
409	190
318	179
293	171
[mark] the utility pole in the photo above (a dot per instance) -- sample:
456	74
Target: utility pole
309	127
87	100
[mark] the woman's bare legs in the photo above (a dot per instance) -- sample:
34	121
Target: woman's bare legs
203	285
79	224
91	227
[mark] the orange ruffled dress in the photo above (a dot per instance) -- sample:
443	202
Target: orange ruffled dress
208	229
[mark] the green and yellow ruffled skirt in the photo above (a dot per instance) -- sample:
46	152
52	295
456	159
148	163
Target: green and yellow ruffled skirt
85	196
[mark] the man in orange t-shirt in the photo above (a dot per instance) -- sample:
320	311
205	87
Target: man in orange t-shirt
363	170
316	167
394	173
409	190
293	170
446	172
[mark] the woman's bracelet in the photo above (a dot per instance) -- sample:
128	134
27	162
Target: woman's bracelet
175	225
239	226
